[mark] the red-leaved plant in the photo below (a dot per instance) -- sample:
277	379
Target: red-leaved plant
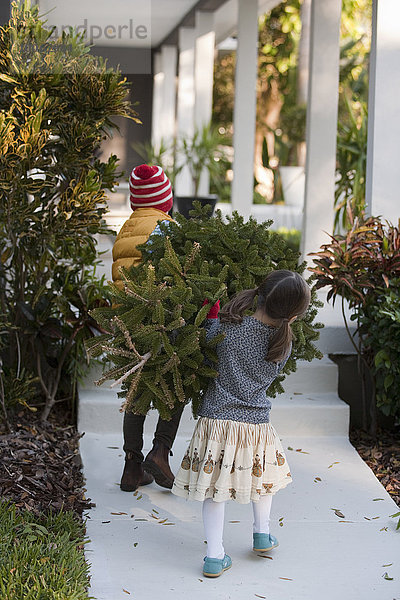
359	267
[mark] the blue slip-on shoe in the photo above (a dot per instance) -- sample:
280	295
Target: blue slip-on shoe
262	542
214	567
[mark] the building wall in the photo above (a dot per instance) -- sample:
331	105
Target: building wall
4	11
135	65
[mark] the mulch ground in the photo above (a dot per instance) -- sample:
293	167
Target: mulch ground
40	465
382	456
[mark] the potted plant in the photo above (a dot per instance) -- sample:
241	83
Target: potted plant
203	151
289	178
363	268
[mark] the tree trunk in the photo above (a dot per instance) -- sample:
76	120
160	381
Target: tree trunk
269	104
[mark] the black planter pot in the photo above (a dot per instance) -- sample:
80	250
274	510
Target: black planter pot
184	204
350	390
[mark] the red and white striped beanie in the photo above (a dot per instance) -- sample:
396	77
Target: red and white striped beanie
149	186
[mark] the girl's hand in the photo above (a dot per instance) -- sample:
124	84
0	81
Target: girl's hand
214	310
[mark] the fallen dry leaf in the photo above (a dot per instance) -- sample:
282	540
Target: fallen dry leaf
338	513
106	521
258	596
118	513
345	521
287	578
334	463
234	521
126	591
264	556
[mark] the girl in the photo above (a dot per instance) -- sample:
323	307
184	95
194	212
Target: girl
235	453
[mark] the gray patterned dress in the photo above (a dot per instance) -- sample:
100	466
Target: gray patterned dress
235	453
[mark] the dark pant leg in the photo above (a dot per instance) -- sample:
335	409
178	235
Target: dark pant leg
133	435
166	430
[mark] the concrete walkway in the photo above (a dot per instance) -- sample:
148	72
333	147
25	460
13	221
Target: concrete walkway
150	544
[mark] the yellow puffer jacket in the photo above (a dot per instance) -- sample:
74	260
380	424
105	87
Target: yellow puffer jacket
135	231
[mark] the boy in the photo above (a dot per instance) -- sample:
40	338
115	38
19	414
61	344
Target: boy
151	199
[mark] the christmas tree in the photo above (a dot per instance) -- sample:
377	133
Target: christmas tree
249	251
157	341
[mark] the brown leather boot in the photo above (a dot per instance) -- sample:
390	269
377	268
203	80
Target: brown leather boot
156	463
134	475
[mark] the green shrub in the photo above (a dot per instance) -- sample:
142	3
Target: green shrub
41	559
380	327
292	237
56	108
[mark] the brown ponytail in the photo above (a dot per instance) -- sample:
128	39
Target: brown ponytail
233	311
282	296
280	342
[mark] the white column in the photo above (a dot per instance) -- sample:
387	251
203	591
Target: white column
244	114
158	81
168	62
382	183
321	125
203	79
185	101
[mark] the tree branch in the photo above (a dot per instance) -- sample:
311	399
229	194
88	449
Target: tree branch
144	360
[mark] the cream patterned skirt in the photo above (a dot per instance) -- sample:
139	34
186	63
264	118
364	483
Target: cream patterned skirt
231	460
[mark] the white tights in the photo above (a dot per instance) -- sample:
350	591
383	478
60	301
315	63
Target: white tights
213	519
